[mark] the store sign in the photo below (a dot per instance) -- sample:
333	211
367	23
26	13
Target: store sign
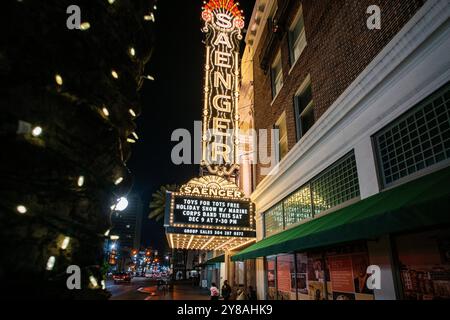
211	232
220	142
211	212
212	192
206	208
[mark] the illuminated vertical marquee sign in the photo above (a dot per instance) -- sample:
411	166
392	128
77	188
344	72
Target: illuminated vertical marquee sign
223	25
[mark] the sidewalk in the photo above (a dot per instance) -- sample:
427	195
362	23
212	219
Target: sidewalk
180	292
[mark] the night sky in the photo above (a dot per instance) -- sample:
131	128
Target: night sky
173	101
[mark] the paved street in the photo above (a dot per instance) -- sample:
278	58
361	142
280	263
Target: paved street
145	289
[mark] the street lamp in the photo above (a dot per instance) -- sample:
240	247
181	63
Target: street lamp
121	205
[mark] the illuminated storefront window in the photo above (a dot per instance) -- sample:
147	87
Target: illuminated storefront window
271	278
273	220
336	185
297	207
334	274
286	286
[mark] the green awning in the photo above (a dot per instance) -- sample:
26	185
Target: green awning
218	259
424	202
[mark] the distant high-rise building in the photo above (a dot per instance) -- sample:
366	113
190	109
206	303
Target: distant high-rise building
127	224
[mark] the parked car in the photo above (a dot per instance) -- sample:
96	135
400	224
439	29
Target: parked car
121	277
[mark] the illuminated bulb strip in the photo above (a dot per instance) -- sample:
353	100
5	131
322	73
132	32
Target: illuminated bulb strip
171	241
190	242
225	243
243	245
207	243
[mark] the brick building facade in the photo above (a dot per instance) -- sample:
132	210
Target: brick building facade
362	152
339	47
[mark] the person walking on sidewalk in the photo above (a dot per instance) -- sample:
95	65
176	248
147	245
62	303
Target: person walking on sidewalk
214	292
226	291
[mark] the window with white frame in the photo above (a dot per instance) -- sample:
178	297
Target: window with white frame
304	108
277	75
281	137
297	37
418	140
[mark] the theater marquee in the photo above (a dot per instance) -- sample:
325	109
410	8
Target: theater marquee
223	25
209	213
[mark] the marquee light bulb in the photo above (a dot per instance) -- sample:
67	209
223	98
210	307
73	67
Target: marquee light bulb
111	1
132	112
118	181
132	52
114	74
